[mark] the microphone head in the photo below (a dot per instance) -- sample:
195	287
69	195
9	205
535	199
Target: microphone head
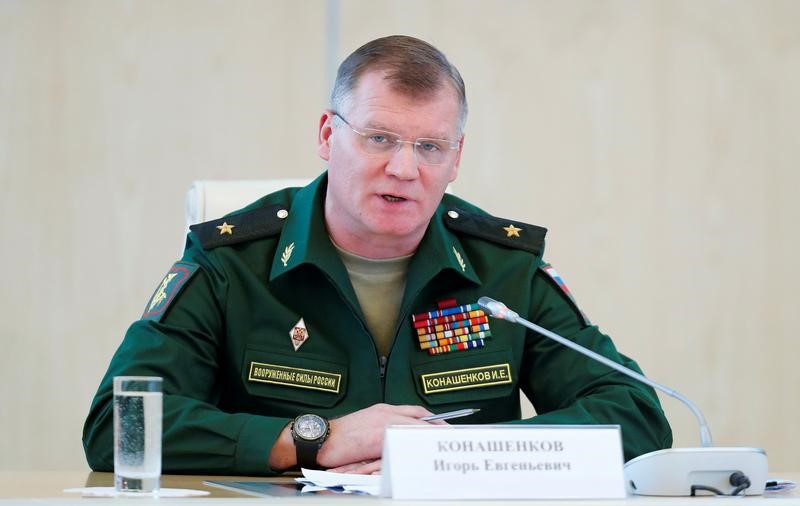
497	309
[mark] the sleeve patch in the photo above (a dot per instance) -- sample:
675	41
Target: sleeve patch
168	289
556	278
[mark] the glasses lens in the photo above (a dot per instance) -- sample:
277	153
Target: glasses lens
382	143
433	151
377	142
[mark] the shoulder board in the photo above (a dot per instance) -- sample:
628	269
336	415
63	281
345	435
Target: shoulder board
243	227
499	230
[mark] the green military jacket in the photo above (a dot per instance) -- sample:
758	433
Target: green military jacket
222	325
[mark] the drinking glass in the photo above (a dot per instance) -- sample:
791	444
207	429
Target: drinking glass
137	433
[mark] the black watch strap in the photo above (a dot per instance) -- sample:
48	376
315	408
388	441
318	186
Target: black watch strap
307	454
309	431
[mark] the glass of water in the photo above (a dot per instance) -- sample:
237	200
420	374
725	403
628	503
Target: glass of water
137	433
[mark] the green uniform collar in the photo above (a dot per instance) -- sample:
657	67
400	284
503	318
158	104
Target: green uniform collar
304	240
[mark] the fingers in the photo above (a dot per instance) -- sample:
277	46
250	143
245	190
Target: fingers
410	411
358	436
366	467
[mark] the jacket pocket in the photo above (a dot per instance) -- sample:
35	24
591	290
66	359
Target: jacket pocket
312	380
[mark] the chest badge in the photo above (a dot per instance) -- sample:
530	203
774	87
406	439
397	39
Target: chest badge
299	334
451	327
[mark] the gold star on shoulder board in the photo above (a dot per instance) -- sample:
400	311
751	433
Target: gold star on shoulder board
512	231
225	228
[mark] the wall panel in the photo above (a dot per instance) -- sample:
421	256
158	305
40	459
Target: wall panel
656	139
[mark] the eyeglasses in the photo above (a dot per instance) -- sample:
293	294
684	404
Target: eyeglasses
381	143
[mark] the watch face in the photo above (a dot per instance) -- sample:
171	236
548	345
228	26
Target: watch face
310	427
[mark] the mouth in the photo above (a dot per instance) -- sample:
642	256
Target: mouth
392	198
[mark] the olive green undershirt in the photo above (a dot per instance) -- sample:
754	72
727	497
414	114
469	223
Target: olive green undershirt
379	286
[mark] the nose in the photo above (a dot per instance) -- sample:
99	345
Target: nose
403	162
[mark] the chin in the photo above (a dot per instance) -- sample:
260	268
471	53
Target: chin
394	227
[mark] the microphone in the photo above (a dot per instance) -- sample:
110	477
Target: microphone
674	471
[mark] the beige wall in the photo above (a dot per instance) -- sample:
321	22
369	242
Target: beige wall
657	140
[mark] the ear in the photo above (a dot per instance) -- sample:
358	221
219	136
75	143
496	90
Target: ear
454	169
324	135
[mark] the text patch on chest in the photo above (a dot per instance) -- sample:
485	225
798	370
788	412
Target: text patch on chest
294	377
473	377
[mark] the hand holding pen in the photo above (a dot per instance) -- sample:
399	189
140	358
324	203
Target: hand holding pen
450	414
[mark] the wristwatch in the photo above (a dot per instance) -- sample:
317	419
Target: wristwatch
309	432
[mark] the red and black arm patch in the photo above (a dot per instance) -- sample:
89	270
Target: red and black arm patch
168	289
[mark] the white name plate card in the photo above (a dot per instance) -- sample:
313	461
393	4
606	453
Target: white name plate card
503	462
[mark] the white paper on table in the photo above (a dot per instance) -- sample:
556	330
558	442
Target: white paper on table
360	483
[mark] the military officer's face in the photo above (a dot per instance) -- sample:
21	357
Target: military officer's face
381	194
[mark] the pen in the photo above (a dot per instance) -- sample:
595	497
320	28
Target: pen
450	414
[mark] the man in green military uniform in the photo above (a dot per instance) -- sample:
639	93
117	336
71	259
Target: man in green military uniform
294	330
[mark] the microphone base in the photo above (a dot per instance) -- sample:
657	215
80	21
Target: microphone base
674	471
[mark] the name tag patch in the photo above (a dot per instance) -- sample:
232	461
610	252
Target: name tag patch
295	377
460	379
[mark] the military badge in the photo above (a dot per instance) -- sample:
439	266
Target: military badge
512	231
460	260
225	228
168	289
551	271
299	334
287	254
556	278
451	328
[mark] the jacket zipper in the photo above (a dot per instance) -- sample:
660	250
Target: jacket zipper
382	362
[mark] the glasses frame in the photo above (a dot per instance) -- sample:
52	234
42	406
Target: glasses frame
399	141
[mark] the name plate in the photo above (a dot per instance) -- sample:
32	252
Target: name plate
503	462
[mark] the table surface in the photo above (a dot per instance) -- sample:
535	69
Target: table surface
47	487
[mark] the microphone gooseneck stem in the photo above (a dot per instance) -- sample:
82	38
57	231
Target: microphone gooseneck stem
497	309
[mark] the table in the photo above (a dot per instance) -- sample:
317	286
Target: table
46	487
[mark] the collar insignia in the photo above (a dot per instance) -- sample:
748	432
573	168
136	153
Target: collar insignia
460	260
287	254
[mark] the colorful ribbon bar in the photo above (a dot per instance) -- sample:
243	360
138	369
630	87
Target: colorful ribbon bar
455	347
453	333
450	318
455	340
445	312
468	322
